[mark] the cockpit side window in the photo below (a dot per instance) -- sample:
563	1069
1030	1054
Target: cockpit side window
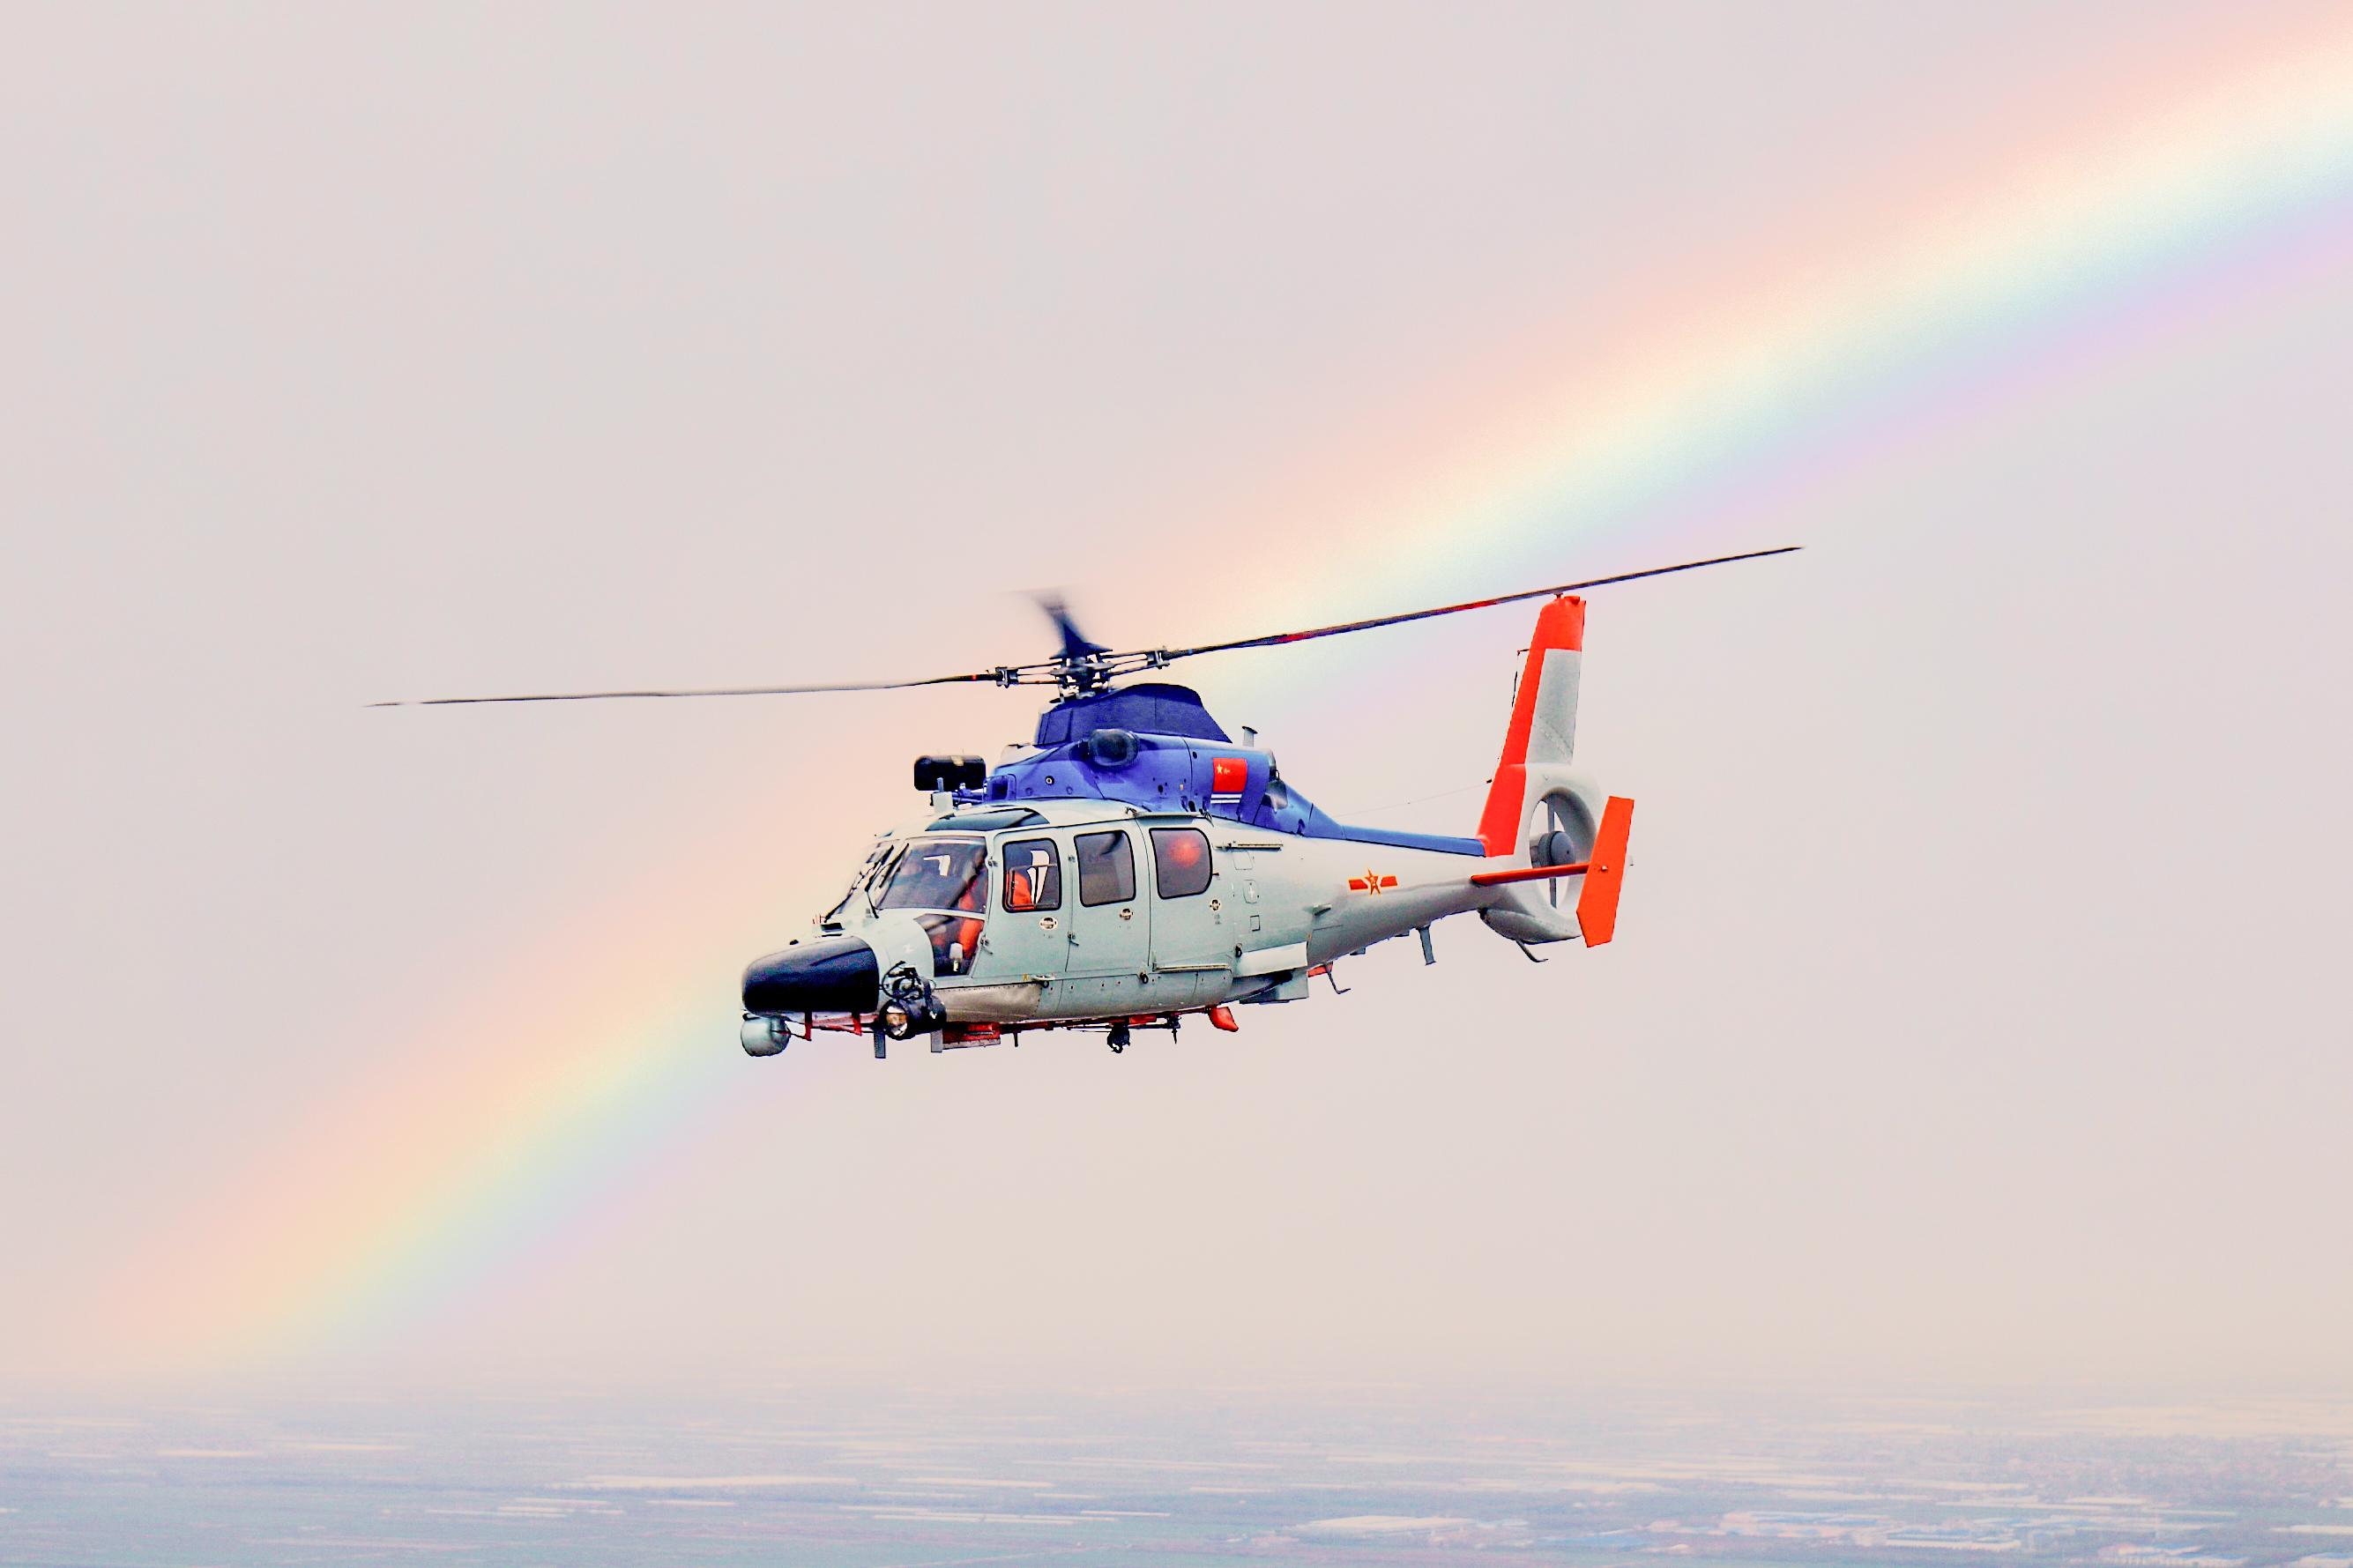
1106	868
938	874
869	876
1033	875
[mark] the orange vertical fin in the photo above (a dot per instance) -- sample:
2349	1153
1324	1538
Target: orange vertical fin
1597	901
1560	628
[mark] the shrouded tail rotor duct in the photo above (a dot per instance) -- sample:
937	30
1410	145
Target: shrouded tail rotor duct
1560	827
1560	832
832	974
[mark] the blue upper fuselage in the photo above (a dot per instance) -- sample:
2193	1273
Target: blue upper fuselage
1155	745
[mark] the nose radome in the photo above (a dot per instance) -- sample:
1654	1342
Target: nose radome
832	974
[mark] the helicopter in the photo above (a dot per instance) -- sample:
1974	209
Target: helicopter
1137	864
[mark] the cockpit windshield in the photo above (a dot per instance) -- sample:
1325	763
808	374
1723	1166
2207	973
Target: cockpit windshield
938	874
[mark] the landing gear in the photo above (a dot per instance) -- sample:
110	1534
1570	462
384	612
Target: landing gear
1118	1038
881	1040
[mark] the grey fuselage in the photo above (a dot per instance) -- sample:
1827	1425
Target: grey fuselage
1170	939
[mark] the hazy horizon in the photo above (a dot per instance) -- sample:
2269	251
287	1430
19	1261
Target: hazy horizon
1204	1477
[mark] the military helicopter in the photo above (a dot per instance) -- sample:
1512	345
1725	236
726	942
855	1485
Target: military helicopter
1137	865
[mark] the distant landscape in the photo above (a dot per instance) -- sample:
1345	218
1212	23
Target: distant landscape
825	1477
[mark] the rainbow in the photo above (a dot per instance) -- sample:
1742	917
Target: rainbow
433	1182
1956	301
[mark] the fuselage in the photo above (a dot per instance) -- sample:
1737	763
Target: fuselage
1137	863
1088	908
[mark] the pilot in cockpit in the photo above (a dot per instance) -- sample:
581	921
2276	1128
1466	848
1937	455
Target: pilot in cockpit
937	874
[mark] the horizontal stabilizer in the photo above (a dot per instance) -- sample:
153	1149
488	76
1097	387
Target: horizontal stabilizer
1529	874
1597	901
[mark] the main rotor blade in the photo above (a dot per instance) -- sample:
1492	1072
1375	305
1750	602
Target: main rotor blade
1277	639
1076	643
1099	663
989	675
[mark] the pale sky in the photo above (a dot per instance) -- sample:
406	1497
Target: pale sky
1973	1012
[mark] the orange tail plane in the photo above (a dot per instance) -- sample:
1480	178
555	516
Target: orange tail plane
1597	901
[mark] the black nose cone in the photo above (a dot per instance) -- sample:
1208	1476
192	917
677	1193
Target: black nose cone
832	974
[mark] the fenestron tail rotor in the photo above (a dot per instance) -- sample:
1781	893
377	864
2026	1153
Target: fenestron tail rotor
1559	844
1084	665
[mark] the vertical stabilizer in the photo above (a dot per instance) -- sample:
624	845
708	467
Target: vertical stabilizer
1543	733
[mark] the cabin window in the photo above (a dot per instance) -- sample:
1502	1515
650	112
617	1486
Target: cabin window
1033	875
1180	861
938	874
1106	868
